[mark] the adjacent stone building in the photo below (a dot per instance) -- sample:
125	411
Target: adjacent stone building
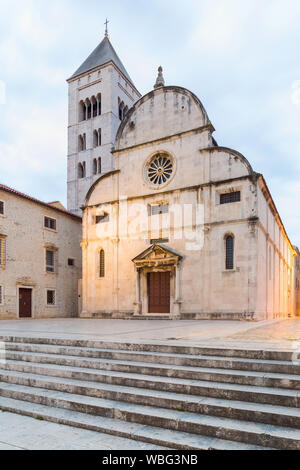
182	227
40	258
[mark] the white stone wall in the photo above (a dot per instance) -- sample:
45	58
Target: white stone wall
276	258
23	225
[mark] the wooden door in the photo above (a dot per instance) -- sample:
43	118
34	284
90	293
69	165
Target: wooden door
25	303
159	292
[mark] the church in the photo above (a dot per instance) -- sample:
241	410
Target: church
175	226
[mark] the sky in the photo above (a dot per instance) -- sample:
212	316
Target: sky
241	58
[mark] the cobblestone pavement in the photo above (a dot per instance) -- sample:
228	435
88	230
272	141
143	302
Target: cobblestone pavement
268	334
285	330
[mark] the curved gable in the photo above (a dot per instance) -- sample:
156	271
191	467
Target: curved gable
161	113
100	189
226	163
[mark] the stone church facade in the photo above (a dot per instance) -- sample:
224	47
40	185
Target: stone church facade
181	227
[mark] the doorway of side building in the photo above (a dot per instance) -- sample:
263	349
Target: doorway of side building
25	302
158	284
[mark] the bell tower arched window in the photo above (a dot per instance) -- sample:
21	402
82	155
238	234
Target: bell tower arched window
95	166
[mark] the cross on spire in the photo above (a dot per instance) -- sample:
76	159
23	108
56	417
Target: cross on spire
106	29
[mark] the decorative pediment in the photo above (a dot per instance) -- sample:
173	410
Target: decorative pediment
157	255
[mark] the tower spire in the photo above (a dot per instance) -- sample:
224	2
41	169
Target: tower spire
160	81
106	29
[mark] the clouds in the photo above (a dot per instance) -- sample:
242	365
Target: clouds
240	57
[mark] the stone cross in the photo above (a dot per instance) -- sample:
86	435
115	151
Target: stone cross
106	30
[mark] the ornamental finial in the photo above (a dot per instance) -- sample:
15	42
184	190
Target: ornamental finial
160	78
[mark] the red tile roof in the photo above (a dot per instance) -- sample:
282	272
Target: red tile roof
37	201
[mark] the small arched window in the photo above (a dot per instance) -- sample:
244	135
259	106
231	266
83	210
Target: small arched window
95	166
99	165
95	139
102	264
80	143
121	110
94	106
229	241
99	104
89	108
82	111
80	171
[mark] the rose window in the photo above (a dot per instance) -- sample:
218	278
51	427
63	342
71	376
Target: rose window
160	170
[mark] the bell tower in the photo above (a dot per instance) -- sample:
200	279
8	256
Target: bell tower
100	94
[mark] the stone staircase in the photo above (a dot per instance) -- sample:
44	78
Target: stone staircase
175	397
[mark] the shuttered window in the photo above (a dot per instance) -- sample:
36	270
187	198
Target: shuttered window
50	223
51	297
1	207
50	261
102	264
2	251
229	252
228	198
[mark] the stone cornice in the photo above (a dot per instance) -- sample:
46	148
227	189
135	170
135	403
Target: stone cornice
163	193
197	130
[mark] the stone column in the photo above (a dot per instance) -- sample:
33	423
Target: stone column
138	304
177	301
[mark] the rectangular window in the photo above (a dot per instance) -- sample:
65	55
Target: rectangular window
51	297
50	223
71	262
227	198
50	261
159	209
1	208
1	296
2	251
101	219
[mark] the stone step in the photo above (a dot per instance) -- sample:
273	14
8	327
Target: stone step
165	396
262	379
265	354
161	438
223	428
161	358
